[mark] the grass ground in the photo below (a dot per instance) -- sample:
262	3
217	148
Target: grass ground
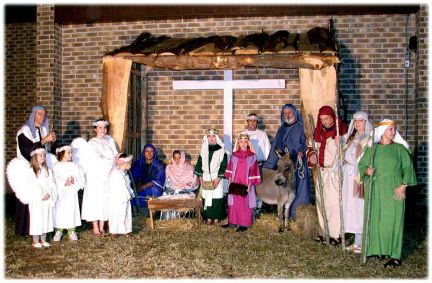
178	249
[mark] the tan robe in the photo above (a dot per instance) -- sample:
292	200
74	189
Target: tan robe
330	191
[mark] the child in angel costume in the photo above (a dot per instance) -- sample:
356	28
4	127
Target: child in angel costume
33	184
120	194
69	179
97	158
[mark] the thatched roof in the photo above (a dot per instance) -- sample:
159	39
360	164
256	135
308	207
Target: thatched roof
280	49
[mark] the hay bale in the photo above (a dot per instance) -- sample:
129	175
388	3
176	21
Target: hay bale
306	224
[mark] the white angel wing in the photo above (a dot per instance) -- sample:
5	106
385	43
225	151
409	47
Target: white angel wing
19	174
83	154
51	160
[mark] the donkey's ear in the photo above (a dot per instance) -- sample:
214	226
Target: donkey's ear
286	149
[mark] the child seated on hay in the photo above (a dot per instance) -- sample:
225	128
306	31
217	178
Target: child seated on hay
69	179
120	194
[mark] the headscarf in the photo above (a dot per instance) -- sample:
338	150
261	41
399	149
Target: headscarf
30	122
360	115
181	175
294	110
382	126
321	134
205	143
138	165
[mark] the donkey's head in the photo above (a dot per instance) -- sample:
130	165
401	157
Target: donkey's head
285	167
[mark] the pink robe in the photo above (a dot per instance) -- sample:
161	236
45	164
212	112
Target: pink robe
243	169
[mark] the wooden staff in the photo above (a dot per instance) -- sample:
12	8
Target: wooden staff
320	183
369	200
340	176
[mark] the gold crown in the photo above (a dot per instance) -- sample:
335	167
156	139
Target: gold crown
212	131
243	136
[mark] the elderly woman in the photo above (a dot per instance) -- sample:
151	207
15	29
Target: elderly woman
149	174
210	169
355	142
243	174
33	133
391	172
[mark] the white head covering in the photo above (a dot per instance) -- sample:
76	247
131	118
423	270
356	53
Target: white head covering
382	126
205	144
360	115
63	148
100	122
37	151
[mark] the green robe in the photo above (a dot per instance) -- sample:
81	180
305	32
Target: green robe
393	166
218	208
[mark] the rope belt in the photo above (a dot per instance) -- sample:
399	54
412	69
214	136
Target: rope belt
299	168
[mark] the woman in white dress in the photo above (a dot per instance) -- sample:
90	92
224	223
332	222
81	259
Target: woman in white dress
120	194
355	142
69	179
95	199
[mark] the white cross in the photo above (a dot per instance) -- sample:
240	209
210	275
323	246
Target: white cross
228	85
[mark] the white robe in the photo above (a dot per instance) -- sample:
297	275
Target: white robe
67	212
120	193
330	191
217	193
95	199
41	211
260	143
352	204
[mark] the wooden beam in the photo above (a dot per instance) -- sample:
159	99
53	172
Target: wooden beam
234	62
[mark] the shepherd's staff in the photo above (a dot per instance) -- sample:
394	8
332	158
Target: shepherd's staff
369	200
320	183
339	167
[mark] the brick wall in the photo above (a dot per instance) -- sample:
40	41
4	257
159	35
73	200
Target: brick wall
48	64
372	76
20	80
422	99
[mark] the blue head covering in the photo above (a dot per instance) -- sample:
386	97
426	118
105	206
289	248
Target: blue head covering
294	110
139	164
30	122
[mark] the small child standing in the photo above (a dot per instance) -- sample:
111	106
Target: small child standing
42	199
120	193
69	179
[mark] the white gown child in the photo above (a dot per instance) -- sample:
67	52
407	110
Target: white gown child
120	193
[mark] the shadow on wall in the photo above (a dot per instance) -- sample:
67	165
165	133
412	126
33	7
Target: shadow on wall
73	130
348	76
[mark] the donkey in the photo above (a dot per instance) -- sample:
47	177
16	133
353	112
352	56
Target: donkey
278	187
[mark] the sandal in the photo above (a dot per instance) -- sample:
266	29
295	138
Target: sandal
320	239
373	257
392	263
129	236
334	241
357	250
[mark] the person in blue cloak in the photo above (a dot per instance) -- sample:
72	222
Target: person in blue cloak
291	135
149	175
